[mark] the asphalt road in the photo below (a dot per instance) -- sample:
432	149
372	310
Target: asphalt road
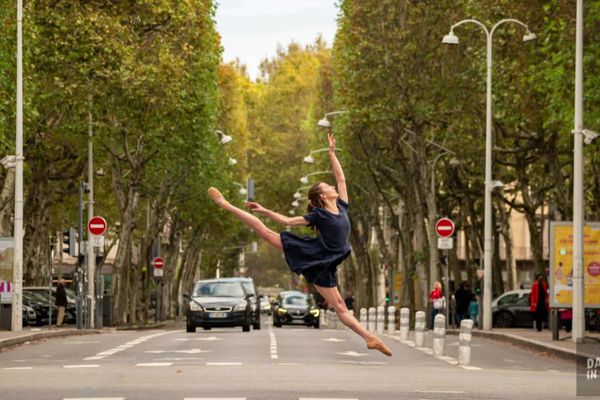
288	363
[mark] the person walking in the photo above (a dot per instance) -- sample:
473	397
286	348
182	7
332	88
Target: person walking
437	301
315	258
463	298
61	301
538	300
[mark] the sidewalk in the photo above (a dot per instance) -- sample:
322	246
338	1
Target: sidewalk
12	338
542	342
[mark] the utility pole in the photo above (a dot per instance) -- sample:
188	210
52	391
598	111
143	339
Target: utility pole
17	301
90	254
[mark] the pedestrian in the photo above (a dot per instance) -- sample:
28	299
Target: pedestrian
463	298
349	300
315	258
61	301
437	301
539	301
566	318
474	309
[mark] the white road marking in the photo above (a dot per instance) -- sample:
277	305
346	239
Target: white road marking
96	341
158	364
353	354
178	358
127	345
190	351
424	350
449	360
214	398
364	362
223	363
201	338
288	364
470	368
332	339
82	366
18	368
322	398
274	354
94	358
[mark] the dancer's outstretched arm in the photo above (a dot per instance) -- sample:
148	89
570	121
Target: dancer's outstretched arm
279	218
337	169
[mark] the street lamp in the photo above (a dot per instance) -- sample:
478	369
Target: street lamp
309	158
243	190
451	38
305	180
224	138
232	161
324	122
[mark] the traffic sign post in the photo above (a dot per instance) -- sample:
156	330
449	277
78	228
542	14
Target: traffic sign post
158	264
444	228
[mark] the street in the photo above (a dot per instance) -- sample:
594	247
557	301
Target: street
292	362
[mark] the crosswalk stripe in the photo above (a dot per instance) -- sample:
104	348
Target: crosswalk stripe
158	364
82	366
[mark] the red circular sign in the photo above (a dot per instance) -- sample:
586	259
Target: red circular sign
594	268
444	227
158	262
97	226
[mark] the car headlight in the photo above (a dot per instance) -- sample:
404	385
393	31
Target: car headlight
240	307
315	312
282	310
195	306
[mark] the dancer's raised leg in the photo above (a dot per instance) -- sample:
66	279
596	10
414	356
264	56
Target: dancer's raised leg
250	220
334	298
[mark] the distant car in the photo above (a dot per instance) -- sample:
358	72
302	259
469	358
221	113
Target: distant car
293	307
250	289
511	309
265	305
218	303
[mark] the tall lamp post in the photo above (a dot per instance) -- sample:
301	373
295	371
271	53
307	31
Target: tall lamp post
305	180
17	301
450	38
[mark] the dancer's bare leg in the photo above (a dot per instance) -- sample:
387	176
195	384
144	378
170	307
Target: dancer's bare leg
334	298
250	220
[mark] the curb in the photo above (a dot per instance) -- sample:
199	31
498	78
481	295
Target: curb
37	336
528	344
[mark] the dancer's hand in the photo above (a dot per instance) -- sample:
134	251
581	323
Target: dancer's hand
255	207
331	139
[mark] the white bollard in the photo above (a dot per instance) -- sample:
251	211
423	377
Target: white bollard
439	335
404	323
391	320
371	319
464	342
380	319
363	317
419	329
322	317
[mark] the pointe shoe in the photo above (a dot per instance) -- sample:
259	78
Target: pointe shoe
377	344
217	196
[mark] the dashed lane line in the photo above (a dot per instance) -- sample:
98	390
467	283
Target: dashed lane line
18	368
81	366
220	364
128	345
94	398
274	354
157	364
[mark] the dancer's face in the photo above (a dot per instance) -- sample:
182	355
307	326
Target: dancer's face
328	192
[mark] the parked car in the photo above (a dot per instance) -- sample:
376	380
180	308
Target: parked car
265	305
71	309
293	307
511	309
250	290
29	317
40	305
218	303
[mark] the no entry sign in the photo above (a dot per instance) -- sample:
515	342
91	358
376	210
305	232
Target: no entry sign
97	226
158	262
444	227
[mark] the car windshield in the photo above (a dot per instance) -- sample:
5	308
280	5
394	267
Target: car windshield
295	300
249	287
508	299
219	289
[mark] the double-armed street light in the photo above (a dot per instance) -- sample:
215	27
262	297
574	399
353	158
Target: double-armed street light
223	137
305	179
310	159
325	123
451	38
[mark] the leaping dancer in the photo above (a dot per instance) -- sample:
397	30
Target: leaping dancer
315	258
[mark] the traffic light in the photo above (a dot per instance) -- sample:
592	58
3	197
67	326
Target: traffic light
70	239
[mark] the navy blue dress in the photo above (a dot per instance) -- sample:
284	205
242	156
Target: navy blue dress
317	258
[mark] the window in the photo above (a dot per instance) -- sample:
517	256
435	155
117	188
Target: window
294	301
508	299
219	289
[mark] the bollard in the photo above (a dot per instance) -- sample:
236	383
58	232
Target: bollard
371	319
380	319
464	343
391	320
404	323
419	329
322	317
439	335
363	317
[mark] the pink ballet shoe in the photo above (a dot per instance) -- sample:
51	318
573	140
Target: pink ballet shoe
377	344
217	196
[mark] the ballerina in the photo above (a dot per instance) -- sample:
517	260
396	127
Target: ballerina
317	258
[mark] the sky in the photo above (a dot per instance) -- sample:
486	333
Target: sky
251	29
